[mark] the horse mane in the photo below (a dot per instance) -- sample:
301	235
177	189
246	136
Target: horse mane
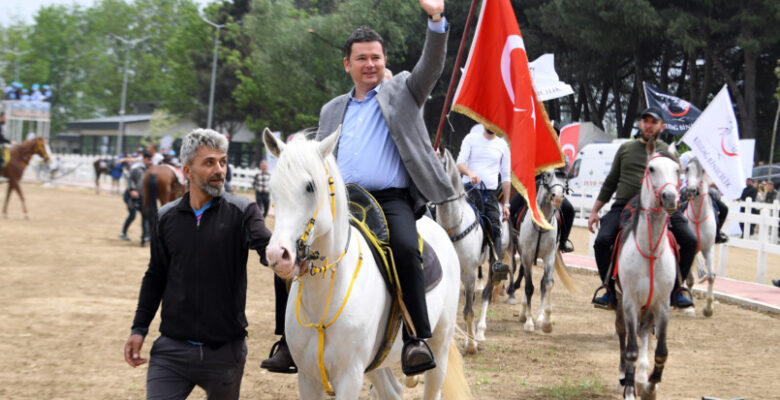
298	160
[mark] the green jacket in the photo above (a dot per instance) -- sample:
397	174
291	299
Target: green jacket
628	168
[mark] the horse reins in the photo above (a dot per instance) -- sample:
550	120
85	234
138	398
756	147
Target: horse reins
653	248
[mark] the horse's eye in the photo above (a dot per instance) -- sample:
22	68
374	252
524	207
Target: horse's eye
310	187
651	169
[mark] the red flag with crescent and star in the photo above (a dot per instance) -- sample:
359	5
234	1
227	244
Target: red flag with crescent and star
496	90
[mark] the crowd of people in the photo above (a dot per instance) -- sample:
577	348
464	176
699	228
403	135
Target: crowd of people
37	92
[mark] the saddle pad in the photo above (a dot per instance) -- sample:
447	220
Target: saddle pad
177	172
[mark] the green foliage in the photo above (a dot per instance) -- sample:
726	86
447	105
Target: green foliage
585	388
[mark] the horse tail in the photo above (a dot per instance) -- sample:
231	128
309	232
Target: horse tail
563	274
455	385
150	202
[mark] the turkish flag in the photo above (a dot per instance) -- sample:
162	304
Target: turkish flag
496	90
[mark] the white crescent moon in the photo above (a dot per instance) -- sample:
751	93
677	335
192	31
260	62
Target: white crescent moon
569	147
512	42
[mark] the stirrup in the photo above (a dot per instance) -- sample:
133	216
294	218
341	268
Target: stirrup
610	306
683	289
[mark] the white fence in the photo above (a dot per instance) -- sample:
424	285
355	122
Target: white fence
77	169
761	218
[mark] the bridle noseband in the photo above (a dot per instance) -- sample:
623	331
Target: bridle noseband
303	251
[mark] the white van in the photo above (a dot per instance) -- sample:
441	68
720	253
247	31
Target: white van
590	168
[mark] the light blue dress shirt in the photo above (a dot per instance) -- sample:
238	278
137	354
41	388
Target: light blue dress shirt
367	154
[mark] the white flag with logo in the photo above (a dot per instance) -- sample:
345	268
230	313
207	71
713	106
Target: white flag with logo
714	140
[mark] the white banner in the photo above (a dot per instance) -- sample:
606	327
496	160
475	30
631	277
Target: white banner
714	140
546	82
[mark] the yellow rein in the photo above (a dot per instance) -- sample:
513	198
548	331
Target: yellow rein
320	326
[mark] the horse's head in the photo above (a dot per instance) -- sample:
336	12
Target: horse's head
451	168
309	200
37	146
695	178
552	188
661	183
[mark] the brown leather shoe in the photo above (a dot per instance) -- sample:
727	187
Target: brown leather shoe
280	360
416	357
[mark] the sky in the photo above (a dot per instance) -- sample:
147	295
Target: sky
24	10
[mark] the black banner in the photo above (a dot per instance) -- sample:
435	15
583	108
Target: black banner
679	114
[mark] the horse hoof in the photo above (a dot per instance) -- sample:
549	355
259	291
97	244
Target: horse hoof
707	312
690	312
411	381
471	347
511	301
480	336
522	318
547	327
528	327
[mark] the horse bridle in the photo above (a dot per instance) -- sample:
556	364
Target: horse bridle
303	251
652	187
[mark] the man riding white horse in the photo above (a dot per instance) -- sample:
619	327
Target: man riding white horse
624	179
384	147
482	157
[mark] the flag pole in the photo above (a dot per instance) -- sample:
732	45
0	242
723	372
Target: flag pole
455	69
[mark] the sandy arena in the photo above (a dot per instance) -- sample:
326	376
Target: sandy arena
69	289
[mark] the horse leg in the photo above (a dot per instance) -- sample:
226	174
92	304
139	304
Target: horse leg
525	313
18	187
661	353
434	378
386	387
513	285
632	350
487	294
310	388
544	320
620	329
468	280
708	260
97	182
643	365
7	197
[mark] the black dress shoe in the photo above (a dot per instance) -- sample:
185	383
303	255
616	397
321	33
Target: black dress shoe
776	282
567	247
280	360
500	271
416	357
721	238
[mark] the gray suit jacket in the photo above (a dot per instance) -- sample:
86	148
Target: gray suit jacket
400	101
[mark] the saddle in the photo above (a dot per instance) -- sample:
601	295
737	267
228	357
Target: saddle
177	173
520	217
366	214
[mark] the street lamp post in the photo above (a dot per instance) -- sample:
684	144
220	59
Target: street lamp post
16	54
213	69
128	44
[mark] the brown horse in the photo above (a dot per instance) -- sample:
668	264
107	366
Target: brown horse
14	167
160	183
103	166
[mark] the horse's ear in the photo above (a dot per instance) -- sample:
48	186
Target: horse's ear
272	143
328	144
673	149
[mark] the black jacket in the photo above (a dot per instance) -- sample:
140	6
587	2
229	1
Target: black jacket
198	270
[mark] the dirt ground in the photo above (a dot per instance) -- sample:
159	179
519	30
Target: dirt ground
69	288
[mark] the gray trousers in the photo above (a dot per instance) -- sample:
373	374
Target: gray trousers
175	367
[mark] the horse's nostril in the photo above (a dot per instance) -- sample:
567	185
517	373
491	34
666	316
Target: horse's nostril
285	255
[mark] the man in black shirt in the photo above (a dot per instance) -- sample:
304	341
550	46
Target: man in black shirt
198	270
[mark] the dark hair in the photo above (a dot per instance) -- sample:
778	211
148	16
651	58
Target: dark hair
147	154
361	35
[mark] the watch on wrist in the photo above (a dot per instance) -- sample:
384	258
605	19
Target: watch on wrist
506	205
436	17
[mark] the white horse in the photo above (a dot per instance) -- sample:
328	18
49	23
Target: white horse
460	221
701	219
348	304
534	242
646	269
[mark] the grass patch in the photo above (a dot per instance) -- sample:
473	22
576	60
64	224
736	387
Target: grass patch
573	390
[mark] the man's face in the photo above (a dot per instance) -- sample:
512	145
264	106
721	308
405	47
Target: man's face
650	127
263	165
148	162
207	171
366	64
